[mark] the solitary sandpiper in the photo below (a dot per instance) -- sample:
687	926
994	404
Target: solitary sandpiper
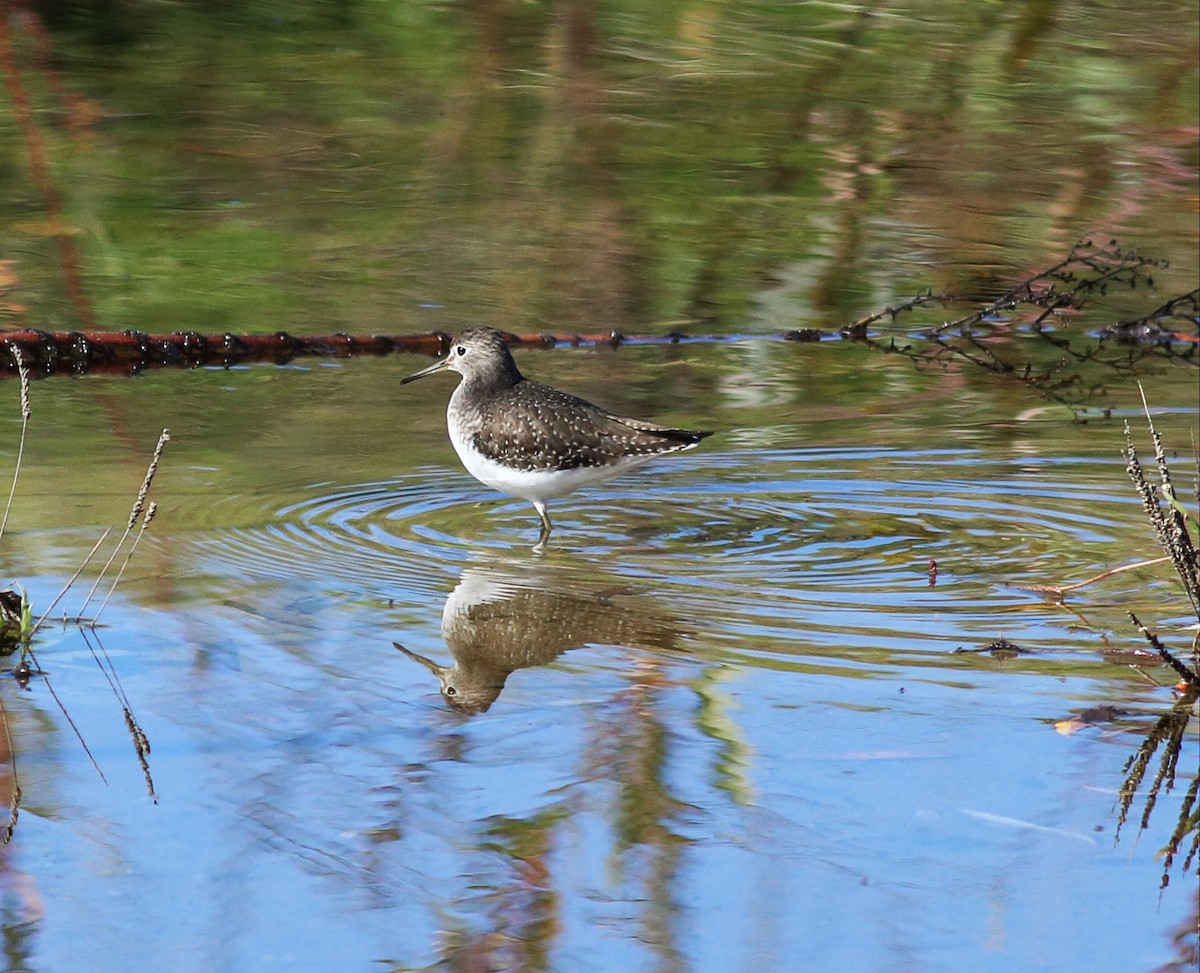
532	441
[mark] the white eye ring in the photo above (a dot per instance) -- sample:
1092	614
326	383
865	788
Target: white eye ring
461	350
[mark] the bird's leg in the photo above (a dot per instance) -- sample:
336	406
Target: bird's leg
540	507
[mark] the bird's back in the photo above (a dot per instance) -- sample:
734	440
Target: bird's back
529	426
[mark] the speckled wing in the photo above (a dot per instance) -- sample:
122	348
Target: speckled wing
531	426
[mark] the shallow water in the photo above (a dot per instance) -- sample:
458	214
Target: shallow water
722	723
727	688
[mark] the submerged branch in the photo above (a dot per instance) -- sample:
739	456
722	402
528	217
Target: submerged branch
1060	590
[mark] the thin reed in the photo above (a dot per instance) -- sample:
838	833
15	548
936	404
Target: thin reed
1169	519
26	414
136	512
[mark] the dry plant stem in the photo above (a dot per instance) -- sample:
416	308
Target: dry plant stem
150	511
1172	533
103	571
163	439
71	581
26	412
1173	527
1182	670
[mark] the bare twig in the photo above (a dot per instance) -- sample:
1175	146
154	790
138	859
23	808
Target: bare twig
1171	523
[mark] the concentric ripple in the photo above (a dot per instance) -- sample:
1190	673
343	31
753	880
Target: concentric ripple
820	546
352	538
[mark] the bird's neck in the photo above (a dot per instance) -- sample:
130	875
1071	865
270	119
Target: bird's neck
470	401
492	382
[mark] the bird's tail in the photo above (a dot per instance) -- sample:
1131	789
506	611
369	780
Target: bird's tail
685	437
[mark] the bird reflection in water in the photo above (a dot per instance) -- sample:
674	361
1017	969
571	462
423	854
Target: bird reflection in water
497	621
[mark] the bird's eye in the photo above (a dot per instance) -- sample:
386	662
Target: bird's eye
461	350
451	691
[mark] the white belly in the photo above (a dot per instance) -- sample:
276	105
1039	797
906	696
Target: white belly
538	485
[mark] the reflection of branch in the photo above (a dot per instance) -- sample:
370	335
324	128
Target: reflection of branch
972	350
1171	729
1189	821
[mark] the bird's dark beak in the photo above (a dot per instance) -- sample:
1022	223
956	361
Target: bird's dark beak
429	664
435	367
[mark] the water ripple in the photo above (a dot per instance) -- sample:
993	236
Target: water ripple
769	541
